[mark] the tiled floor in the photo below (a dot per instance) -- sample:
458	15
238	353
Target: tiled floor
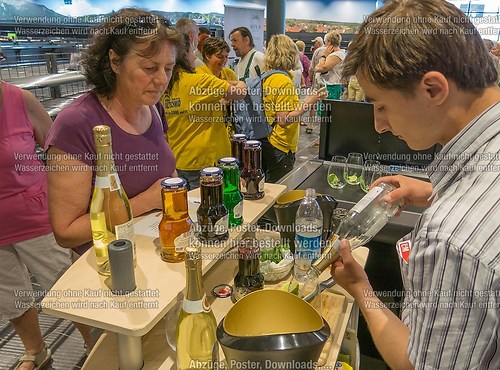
66	342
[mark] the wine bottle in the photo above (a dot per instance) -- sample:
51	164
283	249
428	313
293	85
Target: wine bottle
196	339
110	212
361	224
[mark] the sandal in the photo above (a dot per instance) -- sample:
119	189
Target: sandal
303	124
40	359
309	130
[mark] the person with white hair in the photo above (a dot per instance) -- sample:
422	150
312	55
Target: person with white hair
189	27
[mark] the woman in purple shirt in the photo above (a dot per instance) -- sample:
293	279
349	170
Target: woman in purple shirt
129	62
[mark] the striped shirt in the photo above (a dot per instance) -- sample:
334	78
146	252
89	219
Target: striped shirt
452	279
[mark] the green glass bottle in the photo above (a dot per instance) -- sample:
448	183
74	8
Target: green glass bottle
233	198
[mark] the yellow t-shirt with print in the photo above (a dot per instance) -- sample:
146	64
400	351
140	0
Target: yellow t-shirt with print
196	127
227	74
281	95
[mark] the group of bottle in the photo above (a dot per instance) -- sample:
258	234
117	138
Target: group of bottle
222	190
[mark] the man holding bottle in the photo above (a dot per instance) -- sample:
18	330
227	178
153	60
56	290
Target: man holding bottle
426	70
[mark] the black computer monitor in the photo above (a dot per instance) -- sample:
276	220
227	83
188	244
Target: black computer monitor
348	126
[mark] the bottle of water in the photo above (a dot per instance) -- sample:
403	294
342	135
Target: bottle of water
308	229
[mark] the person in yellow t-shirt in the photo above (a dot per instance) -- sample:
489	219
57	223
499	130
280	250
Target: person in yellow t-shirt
283	108
215	53
197	131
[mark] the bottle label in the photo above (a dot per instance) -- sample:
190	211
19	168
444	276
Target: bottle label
307	247
111	182
238	210
221	226
243	185
102	182
126	231
196	306
182	241
372	194
261	184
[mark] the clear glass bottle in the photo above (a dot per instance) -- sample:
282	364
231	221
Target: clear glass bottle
360	225
233	199
249	278
308	230
212	214
110	212
175	228
196	341
252	178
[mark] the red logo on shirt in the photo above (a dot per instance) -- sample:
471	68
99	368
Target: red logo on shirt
404	250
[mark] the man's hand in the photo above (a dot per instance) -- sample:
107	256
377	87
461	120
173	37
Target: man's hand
409	190
348	273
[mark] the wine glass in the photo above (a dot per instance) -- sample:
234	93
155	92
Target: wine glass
371	172
354	168
336	171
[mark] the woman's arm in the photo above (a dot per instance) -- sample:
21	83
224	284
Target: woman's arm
70	184
285	119
325	64
237	90
38	117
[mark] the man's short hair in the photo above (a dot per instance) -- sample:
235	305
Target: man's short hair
244	32
404	39
185	25
204	31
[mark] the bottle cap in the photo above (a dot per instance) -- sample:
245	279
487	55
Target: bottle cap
173	183
121	265
211	171
223	291
228	161
253	143
239	136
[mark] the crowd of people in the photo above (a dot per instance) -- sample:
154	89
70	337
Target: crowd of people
166	92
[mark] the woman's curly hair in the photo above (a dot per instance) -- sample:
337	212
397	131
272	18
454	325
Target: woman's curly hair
122	32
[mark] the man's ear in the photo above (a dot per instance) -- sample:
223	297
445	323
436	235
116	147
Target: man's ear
114	60
435	86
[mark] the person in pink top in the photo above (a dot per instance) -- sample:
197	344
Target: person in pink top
26	238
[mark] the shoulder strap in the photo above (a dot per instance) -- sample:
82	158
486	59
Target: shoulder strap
247	69
272	72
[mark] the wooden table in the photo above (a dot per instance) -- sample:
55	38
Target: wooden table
86	297
158	354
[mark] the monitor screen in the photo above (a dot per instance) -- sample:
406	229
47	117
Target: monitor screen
348	126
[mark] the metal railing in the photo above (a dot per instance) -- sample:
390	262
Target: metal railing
29	65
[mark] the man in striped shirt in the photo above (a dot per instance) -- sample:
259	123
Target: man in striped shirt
425	68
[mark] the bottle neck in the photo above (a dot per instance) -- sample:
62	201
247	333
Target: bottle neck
194	288
231	178
105	164
252	159
175	203
211	193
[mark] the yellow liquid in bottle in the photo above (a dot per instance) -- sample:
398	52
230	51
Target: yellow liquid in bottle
196	340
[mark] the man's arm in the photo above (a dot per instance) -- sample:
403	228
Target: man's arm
389	333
